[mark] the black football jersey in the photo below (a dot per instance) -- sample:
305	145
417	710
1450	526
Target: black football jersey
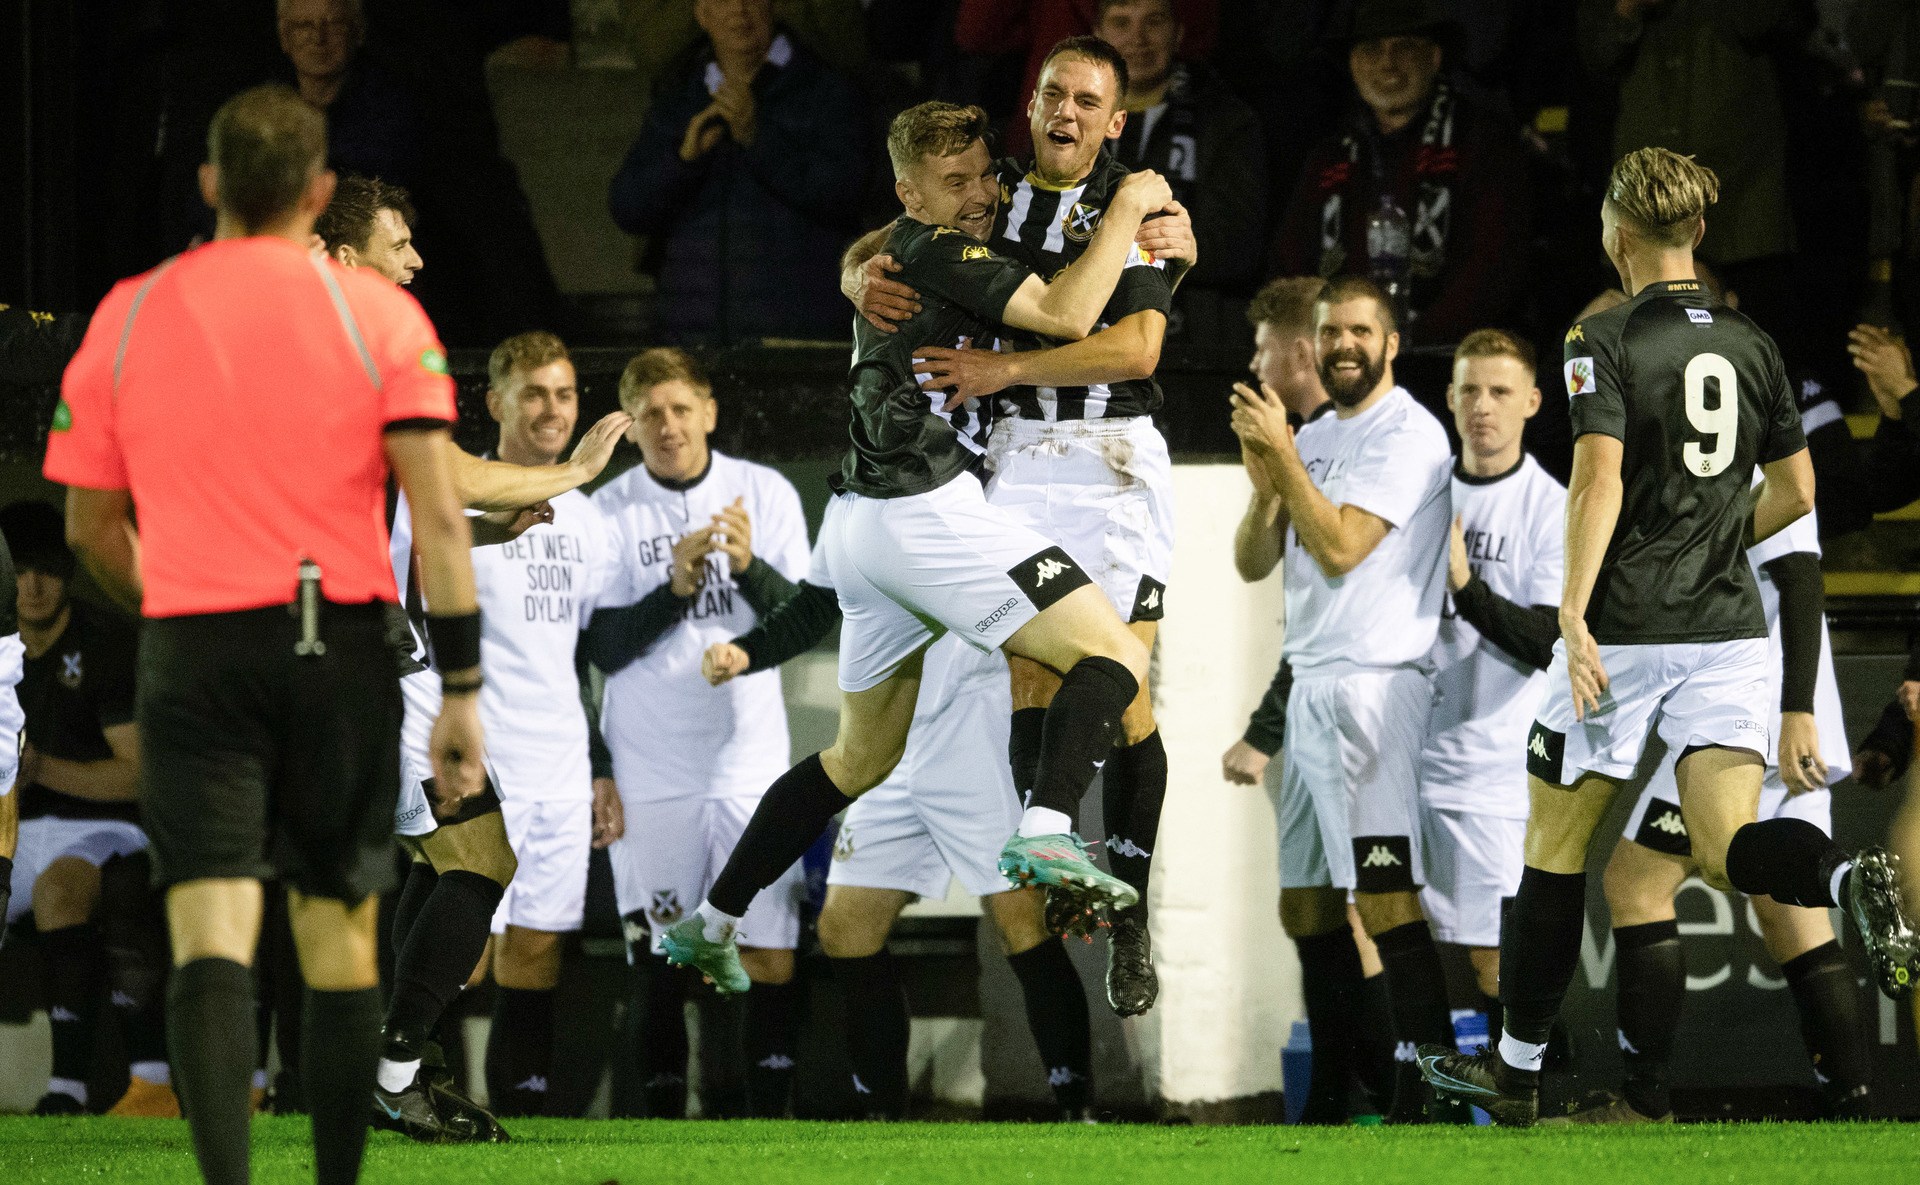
904	441
72	693
1698	397
1048	228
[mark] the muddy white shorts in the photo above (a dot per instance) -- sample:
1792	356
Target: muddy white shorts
673	851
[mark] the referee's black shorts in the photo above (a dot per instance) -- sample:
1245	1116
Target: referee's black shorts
260	763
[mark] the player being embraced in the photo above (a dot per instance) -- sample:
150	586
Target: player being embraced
1496	639
1675	399
1806	753
1074	452
915	551
704	545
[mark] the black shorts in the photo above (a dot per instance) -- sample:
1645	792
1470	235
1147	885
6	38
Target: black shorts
259	763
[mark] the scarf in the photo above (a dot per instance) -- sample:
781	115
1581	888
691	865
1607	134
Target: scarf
1435	166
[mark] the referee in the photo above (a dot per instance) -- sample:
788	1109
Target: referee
250	397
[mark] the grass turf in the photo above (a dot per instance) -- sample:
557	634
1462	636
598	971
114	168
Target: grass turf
563	1152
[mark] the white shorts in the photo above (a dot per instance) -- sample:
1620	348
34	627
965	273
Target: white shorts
1349	780
1691	693
413	810
949	806
13	657
1102	489
908	569
1473	863
1657	823
673	851
551	841
46	839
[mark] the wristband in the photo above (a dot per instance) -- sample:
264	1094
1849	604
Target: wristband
465	685
455	640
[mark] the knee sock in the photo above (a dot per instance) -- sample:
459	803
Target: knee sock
768	1043
655	1036
723	1087
210	1029
1023	749
1539	950
415	891
1418	988
1653	988
1133	788
445	941
1789	860
1057	1014
792	814
1491	1006
520	1051
340	1034
1082	724
1331	983
73	971
1372	1041
143	1026
1834	1026
877	1029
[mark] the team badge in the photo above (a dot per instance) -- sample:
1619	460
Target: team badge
70	674
1579	376
843	845
1081	221
665	910
968	254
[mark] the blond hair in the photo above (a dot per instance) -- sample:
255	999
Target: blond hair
524	352
662	364
934	128
1662	193
1496	343
1286	303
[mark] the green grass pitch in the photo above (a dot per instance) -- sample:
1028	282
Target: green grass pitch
591	1152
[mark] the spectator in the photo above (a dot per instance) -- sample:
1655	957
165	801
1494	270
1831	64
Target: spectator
1183	123
742	175
1885	36
1032	27
1437	161
1696	77
662	31
373	125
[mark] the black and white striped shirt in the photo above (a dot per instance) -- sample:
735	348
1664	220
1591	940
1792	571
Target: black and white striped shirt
1048	227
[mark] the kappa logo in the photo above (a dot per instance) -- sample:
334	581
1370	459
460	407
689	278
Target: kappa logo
1380	856
1405	1051
1058	1076
860	1087
635	932
534	1082
1152	601
1046	570
1670	822
1537	745
776	1061
1120	846
1081	221
1626	1046
1576	334
70	672
990	620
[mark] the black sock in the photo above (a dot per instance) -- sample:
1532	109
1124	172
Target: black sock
877	1026
1133	787
1653	988
723	1084
1057	1014
1330	981
210	1030
1491	1006
1834	1027
415	891
768	1042
1539	950
135	949
340	1037
791	815
1082	725
143	1028
655	1036
1418	987
1787	859
1023	749
520	1051
1372	1042
71	956
445	942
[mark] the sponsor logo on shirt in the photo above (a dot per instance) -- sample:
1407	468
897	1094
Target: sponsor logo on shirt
1700	316
1081	221
1579	376
969	254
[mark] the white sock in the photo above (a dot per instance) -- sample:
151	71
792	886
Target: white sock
397	1076
1040	820
1522	1055
715	926
154	1072
72	1088
260	1079
1839	877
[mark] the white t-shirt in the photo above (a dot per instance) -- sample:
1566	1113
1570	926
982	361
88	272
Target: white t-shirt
536	594
1803	534
671	735
1484	699
1391	460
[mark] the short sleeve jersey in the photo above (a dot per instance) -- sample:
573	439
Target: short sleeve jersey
905	442
1048	227
1697	395
1391	460
72	693
240	392
1484	699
